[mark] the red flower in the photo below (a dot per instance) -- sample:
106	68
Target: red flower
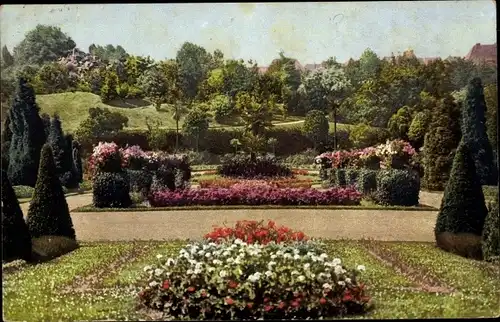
347	297
166	285
191	289
233	284
322	300
203	293
249	305
229	301
266	299
268	308
295	304
281	305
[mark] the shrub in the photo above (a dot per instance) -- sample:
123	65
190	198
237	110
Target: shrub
134	158
259	195
367	181
140	180
16	239
243	166
491	234
163	178
419	126
306	157
279	183
101	122
463	210
474	133
202	157
253	285
338	178
351	176
399	124
106	157
111	190
363	135
397	188
316	127
48	212
46	248
251	231
24	191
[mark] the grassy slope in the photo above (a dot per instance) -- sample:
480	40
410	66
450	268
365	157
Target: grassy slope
73	109
34	292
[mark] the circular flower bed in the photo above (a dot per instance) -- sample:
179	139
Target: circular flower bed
236	280
254	195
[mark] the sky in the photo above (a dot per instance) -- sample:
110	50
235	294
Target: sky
308	31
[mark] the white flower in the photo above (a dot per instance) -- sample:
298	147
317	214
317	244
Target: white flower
273	256
348	280
189	272
295	273
217	262
211	269
296	256
212	244
237	261
361	268
323	256
208	255
197	271
226	253
327	286
170	261
159	256
147	268
301	278
237	241
336	261
269	273
229	260
287	255
158	271
153	283
341	283
338	270
223	273
270	264
201	252
306	266
296	251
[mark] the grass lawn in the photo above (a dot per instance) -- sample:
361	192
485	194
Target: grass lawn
99	282
73	109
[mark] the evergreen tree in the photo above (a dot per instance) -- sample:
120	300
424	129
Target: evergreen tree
70	175
440	144
16	239
57	143
48	213
46	124
491	234
474	133
77	159
463	209
6	138
7	58
28	136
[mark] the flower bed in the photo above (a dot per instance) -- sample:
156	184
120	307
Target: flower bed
276	183
236	280
260	195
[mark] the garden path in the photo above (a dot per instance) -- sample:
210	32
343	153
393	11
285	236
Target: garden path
388	225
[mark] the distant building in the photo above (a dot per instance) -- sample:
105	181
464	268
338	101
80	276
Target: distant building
483	54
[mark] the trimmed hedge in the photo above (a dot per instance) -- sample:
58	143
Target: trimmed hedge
242	166
111	190
367	181
351	176
397	188
338	178
491	234
140	181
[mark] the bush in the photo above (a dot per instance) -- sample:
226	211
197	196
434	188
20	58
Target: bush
463	210
280	183
306	157
367	181
316	127
351	176
491	234
254	195
16	239
241	291
397	188
46	248
242	166
111	190
140	181
363	135
48	213
24	191
338	178
202	157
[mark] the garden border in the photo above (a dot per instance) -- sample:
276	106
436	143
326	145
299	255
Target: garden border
91	208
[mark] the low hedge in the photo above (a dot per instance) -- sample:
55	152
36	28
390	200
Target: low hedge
338	178
397	187
111	189
367	181
242	166
140	180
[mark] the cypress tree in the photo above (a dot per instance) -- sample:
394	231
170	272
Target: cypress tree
48	213
28	136
463	209
440	144
474	133
57	143
70	176
16	239
6	138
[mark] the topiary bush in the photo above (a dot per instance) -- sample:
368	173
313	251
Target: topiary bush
351	176
242	166
23	191
46	248
367	181
491	234
48	212
463	211
338	178
163	178
140	181
16	239
111	190
397	188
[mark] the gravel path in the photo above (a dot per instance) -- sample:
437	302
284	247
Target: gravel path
193	224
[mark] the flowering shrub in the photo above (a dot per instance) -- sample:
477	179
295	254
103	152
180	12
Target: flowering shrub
252	281
260	195
395	154
277	183
252	231
134	158
106	157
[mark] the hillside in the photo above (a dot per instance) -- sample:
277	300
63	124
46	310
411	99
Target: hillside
73	109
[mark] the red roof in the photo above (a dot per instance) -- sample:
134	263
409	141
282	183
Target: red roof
483	53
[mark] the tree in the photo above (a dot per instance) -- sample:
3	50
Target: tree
77	159
154	84
196	125
42	45
58	144
236	77
222	108
418	128
491	99
178	110
52	78
399	124
109	87
46	123
7	58
474	133
109	53
440	143
491	234
316	127
28	136
100	122
6	138
48	213
463	210
193	62
256	115
16	239
369	64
